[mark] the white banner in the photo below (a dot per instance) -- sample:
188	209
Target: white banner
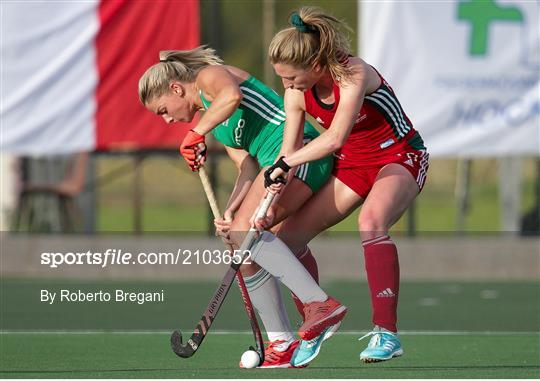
466	72
49	76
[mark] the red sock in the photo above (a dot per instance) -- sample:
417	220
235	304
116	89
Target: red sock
382	268
309	262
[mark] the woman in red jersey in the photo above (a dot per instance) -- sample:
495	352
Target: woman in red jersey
380	160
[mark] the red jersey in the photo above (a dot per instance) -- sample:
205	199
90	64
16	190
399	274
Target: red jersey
381	130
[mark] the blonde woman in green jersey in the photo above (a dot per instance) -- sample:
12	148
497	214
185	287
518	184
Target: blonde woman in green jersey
249	119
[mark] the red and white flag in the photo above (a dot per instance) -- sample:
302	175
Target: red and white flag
70	72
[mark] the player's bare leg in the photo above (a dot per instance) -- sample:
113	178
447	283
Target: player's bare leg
329	205
263	287
392	193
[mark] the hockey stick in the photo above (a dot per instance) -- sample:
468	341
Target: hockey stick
190	347
210	195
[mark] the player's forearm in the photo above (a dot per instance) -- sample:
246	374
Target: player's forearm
324	145
220	110
292	140
243	183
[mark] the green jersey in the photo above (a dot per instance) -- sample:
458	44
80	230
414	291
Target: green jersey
257	124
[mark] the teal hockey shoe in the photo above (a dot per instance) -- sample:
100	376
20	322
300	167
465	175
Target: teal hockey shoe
383	345
309	349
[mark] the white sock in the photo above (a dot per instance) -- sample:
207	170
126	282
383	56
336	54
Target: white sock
265	295
273	255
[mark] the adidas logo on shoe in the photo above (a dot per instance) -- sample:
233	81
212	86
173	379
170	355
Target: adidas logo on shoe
386	294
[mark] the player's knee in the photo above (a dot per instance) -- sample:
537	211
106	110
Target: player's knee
291	239
296	238
236	237
239	228
371	225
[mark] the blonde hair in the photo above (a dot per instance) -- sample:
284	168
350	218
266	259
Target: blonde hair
174	65
315	38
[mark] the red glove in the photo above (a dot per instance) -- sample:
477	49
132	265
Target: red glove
191	149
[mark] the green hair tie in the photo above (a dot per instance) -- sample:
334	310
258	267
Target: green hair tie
300	25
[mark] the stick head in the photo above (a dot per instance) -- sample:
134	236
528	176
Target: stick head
183	350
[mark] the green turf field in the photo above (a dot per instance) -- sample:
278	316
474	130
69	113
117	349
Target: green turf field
450	330
424	306
109	355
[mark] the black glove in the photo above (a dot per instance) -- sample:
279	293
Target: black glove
278	164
